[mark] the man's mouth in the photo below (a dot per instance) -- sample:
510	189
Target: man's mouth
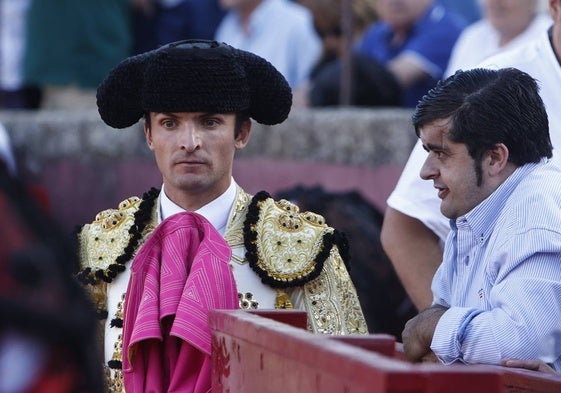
442	192
189	162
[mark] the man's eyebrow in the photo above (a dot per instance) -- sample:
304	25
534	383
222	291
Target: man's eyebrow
431	146
169	114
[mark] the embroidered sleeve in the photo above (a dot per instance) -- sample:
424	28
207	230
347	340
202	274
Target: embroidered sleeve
100	243
110	241
285	247
292	249
331	300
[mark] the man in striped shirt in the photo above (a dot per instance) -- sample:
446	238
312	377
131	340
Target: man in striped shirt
497	293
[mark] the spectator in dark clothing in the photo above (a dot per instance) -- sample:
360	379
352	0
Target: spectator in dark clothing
342	76
413	39
157	22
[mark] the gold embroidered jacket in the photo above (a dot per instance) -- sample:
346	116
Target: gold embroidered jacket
289	250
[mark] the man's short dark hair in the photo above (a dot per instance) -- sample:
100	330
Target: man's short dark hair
487	107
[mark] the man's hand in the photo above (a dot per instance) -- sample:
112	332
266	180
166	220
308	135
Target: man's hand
418	332
534	364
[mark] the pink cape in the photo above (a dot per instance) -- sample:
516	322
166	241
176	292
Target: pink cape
179	274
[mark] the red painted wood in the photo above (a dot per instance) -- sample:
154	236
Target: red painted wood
254	354
296	318
381	343
527	381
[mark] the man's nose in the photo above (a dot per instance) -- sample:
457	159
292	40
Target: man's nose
429	170
190	138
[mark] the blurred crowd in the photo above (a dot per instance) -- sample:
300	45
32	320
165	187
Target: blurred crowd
53	54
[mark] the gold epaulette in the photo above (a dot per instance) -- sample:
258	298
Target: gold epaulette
102	241
285	247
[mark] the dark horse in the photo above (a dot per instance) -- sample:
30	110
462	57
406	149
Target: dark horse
383	299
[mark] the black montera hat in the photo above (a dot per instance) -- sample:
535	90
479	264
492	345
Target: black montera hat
194	76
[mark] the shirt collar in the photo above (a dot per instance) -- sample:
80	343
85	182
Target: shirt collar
481	219
216	211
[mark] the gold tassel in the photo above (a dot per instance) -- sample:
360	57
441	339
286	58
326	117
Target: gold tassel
283	300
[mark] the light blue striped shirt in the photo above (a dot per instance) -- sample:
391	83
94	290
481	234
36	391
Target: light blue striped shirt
280	31
501	273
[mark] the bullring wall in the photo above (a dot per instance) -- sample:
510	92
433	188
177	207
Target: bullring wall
84	166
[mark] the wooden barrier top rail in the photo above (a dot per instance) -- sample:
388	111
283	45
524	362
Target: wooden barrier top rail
273	352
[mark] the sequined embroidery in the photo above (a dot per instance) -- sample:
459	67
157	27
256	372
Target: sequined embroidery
330	298
247	302
114	372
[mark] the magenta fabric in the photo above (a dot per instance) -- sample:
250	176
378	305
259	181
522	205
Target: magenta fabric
179	274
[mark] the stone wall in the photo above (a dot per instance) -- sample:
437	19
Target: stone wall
86	166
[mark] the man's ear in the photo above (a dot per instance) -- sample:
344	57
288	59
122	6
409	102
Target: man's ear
497	159
243	135
148	135
554	8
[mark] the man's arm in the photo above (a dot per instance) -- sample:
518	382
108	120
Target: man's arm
415	253
522	304
407	70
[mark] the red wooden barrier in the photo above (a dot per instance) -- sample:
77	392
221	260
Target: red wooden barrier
254	354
